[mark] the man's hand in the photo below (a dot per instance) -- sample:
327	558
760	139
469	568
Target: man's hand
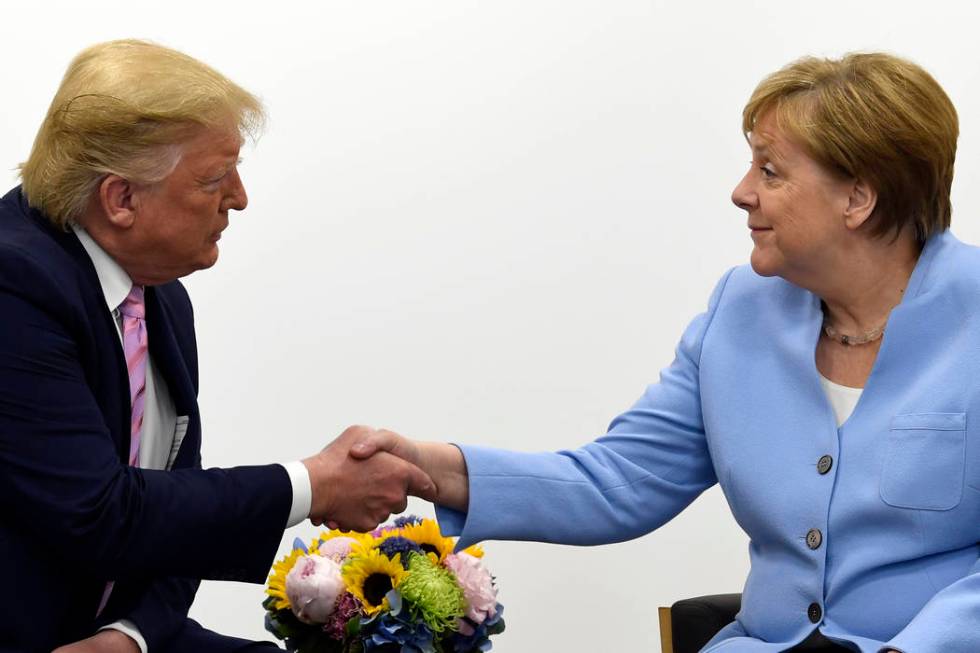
360	494
444	463
104	641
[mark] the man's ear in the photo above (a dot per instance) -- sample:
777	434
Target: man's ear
861	204
116	198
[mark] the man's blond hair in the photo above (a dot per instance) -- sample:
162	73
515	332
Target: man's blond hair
124	107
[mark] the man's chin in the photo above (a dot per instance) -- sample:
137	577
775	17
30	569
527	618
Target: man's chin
209	259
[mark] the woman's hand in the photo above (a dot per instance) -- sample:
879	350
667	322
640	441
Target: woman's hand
444	463
104	641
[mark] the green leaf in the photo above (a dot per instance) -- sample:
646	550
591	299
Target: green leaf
353	626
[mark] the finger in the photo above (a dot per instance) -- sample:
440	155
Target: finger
377	441
355	431
421	484
400	506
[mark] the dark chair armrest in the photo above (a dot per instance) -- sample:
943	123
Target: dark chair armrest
695	621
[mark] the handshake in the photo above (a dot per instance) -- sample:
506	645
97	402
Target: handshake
367	474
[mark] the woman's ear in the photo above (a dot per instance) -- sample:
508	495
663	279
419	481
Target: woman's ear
861	203
117	202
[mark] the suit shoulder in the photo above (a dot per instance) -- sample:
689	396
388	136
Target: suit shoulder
952	268
32	262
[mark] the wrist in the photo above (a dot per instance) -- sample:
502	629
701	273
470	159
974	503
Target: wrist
320	484
445	464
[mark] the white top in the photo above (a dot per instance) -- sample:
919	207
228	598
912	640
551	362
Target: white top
842	398
163	429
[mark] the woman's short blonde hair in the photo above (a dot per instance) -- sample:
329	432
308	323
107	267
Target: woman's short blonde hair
124	107
875	117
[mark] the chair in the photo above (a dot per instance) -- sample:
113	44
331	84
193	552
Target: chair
689	624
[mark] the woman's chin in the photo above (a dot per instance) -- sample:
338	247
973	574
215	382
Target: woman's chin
763	264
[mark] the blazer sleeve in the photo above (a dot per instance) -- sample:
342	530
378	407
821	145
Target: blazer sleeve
160	611
649	466
61	472
948	622
157	607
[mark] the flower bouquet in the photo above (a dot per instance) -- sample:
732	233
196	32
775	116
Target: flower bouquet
398	589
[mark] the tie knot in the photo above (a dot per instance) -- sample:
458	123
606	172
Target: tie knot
133	305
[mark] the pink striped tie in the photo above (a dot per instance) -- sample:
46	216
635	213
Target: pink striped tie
133	311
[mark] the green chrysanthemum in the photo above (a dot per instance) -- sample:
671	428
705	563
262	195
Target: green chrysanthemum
433	593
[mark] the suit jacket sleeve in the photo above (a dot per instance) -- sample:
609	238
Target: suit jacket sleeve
158	608
61	472
652	463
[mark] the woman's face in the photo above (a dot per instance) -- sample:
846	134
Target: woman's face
796	207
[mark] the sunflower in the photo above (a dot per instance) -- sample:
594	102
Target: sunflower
428	536
370	575
476	551
277	579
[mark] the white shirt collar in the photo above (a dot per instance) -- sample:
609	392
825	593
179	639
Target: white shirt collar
115	283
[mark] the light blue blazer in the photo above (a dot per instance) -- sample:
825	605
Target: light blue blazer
892	558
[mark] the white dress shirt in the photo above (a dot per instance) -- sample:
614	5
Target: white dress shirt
163	430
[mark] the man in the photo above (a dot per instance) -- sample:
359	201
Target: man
104	507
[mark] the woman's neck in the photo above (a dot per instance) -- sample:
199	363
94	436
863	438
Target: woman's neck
866	282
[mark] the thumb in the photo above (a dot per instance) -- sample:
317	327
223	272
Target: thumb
421	485
372	444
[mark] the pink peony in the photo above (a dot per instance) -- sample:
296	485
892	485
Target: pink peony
312	587
337	548
477	584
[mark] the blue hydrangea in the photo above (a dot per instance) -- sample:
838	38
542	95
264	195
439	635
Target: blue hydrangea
397	628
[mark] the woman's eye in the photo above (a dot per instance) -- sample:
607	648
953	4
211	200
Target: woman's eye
767	172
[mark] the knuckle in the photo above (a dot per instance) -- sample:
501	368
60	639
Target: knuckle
357	429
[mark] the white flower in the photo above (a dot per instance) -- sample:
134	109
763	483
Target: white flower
313	586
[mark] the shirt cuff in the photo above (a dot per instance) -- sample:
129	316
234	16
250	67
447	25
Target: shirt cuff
299	477
128	628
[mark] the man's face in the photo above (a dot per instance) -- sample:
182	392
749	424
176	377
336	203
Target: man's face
179	220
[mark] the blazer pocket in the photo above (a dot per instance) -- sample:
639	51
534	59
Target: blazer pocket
180	430
925	459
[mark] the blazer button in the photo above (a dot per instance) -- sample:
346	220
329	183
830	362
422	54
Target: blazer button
814	538
824	464
814	613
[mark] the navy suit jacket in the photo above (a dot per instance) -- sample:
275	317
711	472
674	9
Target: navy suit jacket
72	513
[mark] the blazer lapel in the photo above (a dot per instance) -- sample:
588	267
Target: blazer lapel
168	358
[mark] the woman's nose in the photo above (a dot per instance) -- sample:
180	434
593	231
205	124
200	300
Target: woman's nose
744	195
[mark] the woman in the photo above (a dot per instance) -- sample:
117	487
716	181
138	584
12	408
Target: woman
826	388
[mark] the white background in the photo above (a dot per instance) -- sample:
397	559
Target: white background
485	222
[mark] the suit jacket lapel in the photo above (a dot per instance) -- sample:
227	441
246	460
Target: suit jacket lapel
168	358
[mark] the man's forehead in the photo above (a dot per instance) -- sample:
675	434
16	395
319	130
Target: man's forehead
213	145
